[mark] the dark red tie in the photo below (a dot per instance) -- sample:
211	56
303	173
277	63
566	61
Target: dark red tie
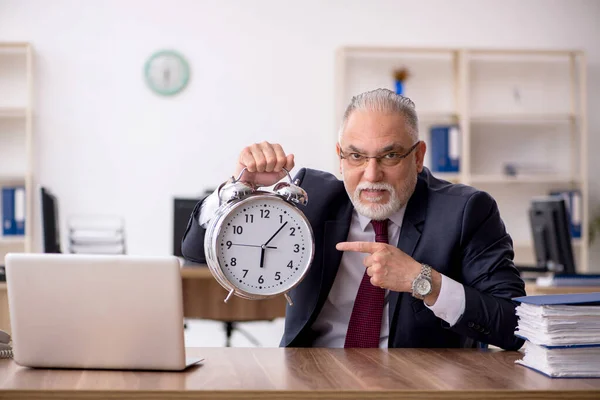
364	327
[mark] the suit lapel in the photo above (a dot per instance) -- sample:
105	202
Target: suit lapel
334	231
410	234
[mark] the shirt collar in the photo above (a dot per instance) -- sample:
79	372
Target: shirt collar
396	218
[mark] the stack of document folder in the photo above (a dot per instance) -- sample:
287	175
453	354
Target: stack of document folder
562	334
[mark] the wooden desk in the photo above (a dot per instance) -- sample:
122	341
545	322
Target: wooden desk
272	373
4	318
532	289
203	298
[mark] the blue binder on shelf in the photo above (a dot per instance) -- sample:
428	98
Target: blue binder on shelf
9	226
445	148
574	207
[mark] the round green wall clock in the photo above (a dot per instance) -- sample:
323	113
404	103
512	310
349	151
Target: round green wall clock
167	72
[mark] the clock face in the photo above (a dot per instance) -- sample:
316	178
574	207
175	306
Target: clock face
167	72
265	246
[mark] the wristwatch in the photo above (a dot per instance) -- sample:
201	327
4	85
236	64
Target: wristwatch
422	286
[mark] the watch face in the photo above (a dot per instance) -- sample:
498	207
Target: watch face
265	245
423	287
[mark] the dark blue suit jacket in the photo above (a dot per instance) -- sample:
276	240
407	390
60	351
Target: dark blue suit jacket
454	228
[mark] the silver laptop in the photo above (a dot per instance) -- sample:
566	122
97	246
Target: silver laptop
96	311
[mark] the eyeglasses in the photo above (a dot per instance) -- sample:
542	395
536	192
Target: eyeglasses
390	159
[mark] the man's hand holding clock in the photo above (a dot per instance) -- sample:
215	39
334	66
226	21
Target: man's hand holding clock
264	163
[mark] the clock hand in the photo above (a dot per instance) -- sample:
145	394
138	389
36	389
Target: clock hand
252	245
275	234
262	256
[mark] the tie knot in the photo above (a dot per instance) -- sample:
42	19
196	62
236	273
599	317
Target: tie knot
381	230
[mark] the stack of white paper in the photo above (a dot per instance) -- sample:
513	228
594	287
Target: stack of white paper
96	235
559	325
562	334
563	362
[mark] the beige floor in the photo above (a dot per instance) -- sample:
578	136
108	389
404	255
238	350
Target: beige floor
203	333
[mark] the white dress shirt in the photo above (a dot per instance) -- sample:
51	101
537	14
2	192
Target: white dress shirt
332	323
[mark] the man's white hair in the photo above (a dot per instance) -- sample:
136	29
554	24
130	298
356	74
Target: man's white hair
386	101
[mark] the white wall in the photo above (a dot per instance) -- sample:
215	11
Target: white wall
261	70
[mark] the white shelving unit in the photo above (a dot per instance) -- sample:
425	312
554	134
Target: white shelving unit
16	134
524	107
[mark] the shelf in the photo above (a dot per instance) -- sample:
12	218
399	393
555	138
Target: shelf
501	179
447	176
395	52
14	45
472	52
523	178
13	112
524	52
12	240
434	116
11	180
577	242
539	118
518	108
13	48
16	135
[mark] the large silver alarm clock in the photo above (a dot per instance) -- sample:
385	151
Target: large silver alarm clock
259	244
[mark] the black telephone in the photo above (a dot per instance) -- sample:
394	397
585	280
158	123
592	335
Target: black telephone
5	348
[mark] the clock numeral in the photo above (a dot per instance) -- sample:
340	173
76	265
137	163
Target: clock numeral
245	272
229	244
290	264
280	219
293	232
265	213
261	280
249	218
277	276
238	229
296	248
233	262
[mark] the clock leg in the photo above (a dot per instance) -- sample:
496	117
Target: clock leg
289	300
229	296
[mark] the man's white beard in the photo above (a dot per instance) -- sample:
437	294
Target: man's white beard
377	211
374	210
